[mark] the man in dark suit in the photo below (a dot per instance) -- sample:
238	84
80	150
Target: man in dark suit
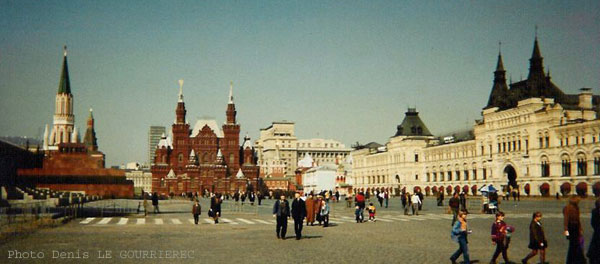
298	213
281	210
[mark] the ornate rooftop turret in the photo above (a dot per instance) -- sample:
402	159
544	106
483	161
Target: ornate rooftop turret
498	96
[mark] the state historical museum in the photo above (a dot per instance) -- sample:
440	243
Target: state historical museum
204	159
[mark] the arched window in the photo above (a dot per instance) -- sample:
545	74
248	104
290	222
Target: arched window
597	163
180	157
545	167
581	164
231	159
566	165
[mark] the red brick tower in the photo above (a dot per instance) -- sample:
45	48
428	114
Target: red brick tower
181	136
231	141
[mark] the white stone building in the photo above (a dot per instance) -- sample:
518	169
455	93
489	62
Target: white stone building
279	147
533	139
321	178
142	180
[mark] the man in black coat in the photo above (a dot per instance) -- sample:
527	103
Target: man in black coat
298	213
155	203
281	210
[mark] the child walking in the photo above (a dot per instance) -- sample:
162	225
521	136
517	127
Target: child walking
537	239
501	237
357	214
371	212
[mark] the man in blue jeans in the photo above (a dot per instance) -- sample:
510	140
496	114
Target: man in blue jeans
459	234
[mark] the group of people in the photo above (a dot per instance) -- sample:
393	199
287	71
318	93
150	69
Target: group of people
501	235
214	211
301	208
146	204
414	202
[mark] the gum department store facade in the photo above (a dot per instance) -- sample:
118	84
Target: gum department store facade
533	138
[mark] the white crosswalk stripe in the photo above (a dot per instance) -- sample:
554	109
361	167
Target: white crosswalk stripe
87	220
346	218
383	219
104	221
339	219
262	221
245	221
397	218
226	220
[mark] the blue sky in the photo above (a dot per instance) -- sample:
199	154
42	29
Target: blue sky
345	70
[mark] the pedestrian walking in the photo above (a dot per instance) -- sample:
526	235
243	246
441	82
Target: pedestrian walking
252	198
459	234
215	207
360	202
386	196
298	213
573	231
380	199
281	211
501	237
594	249
403	200
259	197
440	198
196	211
349	200
310	210
146	205
416	202
454	204
408	201
243	197
537	239
325	213
463	202
421	199
337	196
371	212
155	203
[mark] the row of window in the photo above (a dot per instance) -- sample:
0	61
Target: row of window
433	177
566	167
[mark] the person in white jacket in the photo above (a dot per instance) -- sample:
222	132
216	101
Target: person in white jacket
415	203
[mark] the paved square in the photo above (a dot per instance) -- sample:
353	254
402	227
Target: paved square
249	236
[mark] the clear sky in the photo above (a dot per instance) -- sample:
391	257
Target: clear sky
345	70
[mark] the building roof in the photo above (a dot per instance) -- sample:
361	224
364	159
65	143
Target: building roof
306	162
240	174
326	167
247	142
64	85
211	123
538	84
412	125
165	142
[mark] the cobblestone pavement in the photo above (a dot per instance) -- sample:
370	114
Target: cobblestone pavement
248	236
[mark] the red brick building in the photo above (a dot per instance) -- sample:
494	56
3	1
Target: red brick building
204	158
